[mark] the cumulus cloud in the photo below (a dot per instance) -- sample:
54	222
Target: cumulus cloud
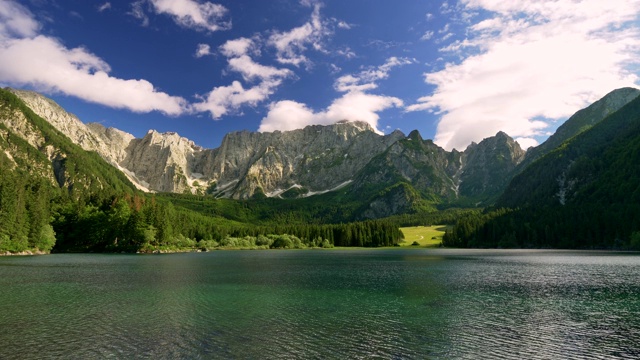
27	58
203	50
290	115
530	63
201	16
237	47
225	99
290	45
16	20
262	81
250	70
355	105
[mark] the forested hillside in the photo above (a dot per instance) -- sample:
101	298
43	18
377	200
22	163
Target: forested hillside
54	196
583	194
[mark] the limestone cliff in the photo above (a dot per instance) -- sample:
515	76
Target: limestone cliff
308	161
297	163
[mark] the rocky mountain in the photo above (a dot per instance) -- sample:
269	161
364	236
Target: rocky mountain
298	163
33	145
487	167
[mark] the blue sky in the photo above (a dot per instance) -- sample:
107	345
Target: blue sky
458	71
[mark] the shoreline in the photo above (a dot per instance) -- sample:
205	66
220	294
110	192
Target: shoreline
25	253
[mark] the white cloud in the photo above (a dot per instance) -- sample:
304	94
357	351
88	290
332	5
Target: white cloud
27	58
203	50
138	12
354	105
529	63
201	16
427	35
290	45
195	15
105	6
346	52
223	100
237	47
251	70
344	25
526	143
366	79
16	20
445	8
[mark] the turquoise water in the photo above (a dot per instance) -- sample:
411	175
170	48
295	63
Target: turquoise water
319	304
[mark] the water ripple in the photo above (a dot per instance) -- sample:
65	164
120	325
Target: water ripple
357	304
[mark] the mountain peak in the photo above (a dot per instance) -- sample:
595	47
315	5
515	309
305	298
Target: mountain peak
359	125
502	134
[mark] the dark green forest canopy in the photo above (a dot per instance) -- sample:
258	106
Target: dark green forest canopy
55	196
68	199
583	194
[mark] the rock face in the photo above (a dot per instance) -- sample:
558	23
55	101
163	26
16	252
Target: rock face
297	163
38	148
427	167
312	160
162	162
488	166
109	143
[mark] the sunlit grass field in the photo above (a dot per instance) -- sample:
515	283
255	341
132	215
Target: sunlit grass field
425	236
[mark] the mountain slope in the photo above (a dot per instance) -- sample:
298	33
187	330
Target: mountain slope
59	157
295	164
40	170
585	194
564	173
581	121
307	161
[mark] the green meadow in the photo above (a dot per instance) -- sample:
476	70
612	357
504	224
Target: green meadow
425	236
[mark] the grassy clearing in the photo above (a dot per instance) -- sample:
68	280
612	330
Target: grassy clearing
426	236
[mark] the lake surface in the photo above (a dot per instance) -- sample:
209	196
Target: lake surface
322	304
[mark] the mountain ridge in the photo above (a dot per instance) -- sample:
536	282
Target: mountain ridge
296	163
54	191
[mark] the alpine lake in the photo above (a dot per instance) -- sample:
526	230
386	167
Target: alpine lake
322	304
